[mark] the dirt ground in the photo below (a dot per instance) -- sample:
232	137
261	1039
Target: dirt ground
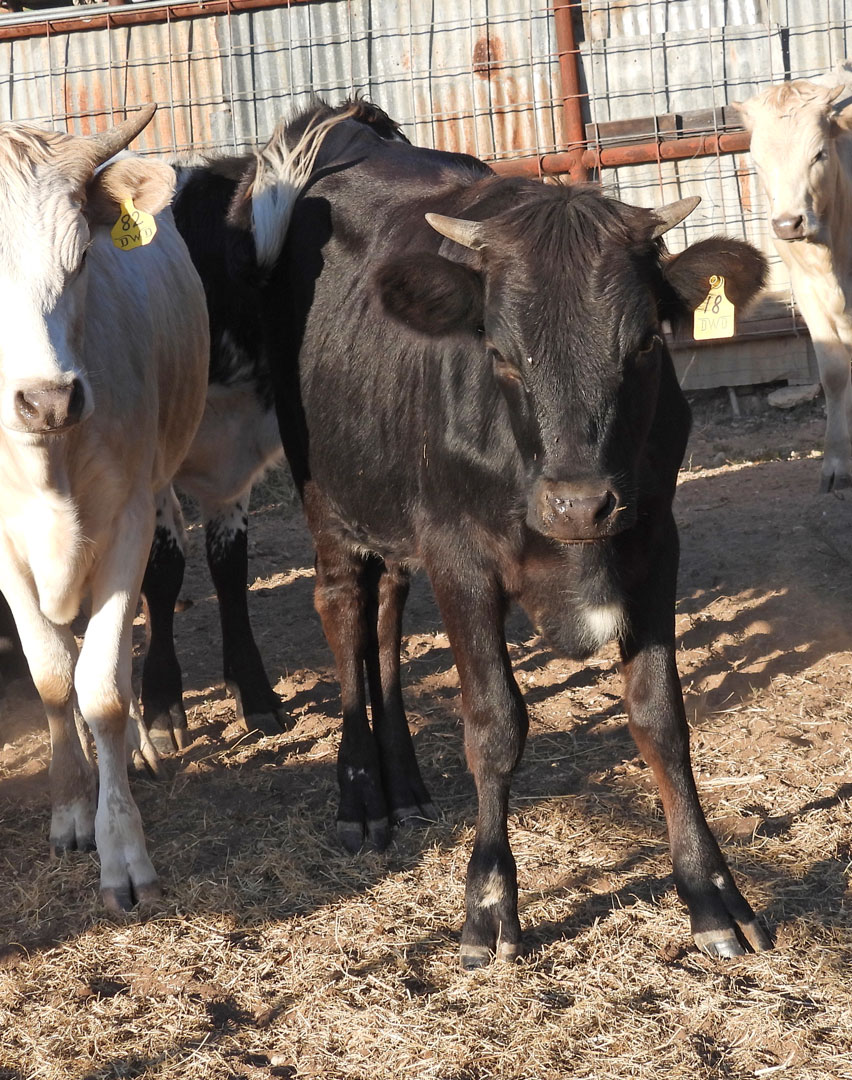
274	954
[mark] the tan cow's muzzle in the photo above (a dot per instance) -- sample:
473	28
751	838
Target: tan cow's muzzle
45	408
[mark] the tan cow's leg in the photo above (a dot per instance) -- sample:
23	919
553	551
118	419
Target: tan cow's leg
833	360
104	693
51	651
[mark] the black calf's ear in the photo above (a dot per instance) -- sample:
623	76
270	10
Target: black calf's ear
431	294
688	274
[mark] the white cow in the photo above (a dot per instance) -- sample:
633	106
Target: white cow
802	149
103	372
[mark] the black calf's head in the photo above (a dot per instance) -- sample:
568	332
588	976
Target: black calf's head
562	292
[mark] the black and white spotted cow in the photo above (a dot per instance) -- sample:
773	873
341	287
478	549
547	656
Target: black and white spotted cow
237	442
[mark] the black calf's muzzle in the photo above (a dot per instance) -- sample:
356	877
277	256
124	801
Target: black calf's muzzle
578	512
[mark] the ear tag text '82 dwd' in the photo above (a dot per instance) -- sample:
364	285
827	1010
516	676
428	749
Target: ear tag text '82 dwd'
715	315
134	228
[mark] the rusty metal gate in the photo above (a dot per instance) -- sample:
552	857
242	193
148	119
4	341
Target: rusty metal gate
632	93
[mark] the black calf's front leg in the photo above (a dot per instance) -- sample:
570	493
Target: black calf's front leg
721	919
226	538
496	726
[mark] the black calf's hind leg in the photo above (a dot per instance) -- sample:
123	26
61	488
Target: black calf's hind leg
226	537
162	691
721	919
341	600
406	794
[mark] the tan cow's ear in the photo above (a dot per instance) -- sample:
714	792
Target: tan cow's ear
743	109
149	183
841	120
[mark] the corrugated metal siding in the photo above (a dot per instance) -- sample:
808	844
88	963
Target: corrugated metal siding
480	76
475	75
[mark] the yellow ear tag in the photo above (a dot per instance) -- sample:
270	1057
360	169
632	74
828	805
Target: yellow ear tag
714	316
134	228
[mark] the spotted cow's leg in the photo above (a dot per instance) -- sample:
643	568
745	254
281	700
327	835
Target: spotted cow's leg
226	535
473	608
406	795
162	688
722	920
103	686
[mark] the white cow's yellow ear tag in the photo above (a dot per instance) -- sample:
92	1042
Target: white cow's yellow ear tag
134	228
715	315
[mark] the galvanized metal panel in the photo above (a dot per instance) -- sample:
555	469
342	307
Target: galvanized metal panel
483	79
475	75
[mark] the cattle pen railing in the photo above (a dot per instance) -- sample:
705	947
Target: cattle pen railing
634	94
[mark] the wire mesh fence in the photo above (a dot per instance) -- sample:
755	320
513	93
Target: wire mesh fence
635	94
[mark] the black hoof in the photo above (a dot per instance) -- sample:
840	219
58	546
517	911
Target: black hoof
756	936
267	723
67	845
127	897
351	835
379	833
166	741
472	957
835	482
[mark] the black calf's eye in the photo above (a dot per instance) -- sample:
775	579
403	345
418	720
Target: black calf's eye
650	343
505	369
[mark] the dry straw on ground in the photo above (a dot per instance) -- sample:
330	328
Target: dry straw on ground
275	955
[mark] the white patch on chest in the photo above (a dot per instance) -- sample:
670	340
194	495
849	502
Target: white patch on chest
601	624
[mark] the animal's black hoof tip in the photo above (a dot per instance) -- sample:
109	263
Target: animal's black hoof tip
164	742
266	723
351	835
118	900
756	936
379	833
472	957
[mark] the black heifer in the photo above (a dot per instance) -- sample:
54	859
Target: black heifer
471	377
237	441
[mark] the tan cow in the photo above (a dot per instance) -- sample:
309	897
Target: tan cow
802	150
103	371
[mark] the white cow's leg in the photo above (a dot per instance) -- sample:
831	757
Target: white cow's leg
104	693
834	372
51	651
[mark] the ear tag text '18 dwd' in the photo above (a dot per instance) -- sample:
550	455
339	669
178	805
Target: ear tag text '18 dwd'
715	315
134	228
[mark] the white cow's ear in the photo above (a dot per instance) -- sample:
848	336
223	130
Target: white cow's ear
149	183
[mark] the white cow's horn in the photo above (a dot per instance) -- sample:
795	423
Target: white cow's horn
466	233
107	143
673	214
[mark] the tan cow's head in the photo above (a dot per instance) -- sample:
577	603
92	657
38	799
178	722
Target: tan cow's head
796	130
54	200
